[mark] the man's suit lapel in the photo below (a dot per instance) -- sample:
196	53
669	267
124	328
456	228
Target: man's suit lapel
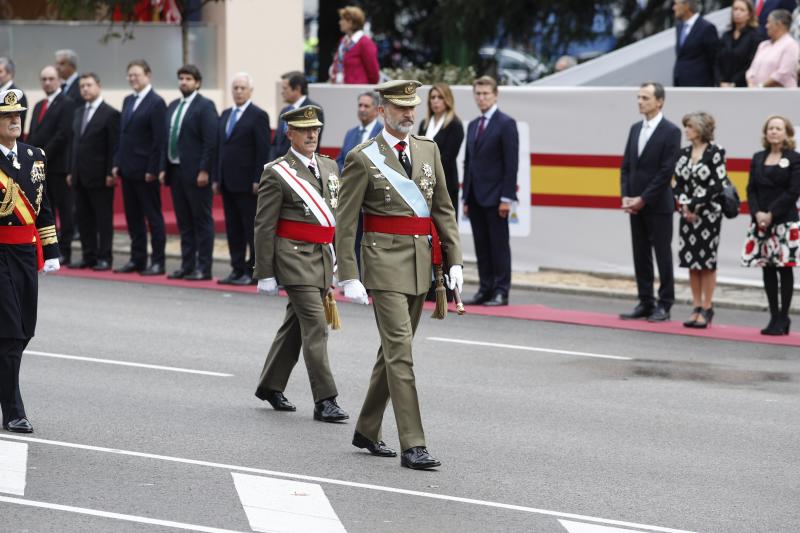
637	130
390	156
376	129
653	138
488	129
242	118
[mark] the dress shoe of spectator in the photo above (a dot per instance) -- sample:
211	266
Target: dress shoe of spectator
101	266
375	447
129	267
418	458
80	264
278	401
329	411
659	315
497	300
153	270
177	274
18	425
233	276
478	299
243	280
197	276
640	311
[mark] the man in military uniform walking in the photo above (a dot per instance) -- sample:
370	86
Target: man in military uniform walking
28	244
398	180
294	231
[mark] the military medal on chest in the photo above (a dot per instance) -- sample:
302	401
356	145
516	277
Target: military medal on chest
333	189
427	182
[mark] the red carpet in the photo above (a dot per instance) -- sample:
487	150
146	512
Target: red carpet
523	312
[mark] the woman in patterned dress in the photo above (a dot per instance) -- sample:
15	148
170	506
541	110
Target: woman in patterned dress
699	177
773	239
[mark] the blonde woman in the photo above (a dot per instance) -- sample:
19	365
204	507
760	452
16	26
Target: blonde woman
738	45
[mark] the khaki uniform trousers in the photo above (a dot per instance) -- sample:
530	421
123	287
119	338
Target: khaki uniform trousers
303	326
397	316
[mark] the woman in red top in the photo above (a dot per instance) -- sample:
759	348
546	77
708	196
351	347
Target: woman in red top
356	59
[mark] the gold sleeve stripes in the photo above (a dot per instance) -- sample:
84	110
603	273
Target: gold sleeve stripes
48	235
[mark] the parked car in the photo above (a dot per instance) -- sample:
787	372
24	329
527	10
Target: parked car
513	67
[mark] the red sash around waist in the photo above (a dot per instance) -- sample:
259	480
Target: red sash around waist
303	231
23	235
406	226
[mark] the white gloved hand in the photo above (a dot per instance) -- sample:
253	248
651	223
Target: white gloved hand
354	291
268	286
456	278
51	265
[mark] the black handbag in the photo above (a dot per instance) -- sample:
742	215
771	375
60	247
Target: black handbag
729	200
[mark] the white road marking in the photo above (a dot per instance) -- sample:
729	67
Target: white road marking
283	506
531	348
580	527
126	363
13	467
382	488
116	516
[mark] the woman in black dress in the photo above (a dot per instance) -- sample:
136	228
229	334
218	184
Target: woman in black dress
700	175
773	239
738	45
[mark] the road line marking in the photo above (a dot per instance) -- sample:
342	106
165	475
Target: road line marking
117	516
13	467
287	506
431	495
126	363
531	348
581	527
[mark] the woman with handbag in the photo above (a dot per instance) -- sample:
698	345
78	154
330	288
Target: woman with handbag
700	176
773	239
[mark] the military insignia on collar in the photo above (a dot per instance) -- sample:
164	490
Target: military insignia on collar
427	170
379	176
30	152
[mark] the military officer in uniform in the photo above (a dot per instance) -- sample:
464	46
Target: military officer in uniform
398	181
294	229
28	244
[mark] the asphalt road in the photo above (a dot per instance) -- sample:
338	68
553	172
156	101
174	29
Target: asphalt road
683	434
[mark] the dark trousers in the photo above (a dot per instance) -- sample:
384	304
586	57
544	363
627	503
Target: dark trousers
196	225
142	201
240	217
62	203
492	248
652	232
95	212
10	397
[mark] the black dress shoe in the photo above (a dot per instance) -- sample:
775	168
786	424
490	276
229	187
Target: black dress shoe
101	266
329	411
153	270
233	276
478	299
19	425
177	274
497	300
128	267
80	264
639	312
659	315
418	458
244	280
278	401
197	276
375	447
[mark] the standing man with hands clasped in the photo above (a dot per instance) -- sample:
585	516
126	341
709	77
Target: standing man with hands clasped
398	181
297	196
651	152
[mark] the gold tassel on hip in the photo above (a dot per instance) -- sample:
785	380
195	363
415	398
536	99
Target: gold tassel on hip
441	296
331	311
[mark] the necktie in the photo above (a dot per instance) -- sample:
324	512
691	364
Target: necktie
85	120
313	171
129	111
481	127
684	33
11	157
42	111
232	122
361	133
174	130
759	7
643	137
64	86
401	155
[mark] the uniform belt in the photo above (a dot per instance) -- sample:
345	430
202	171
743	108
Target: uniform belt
406	226
303	231
23	235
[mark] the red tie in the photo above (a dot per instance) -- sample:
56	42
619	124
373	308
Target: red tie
42	111
481	127
759	7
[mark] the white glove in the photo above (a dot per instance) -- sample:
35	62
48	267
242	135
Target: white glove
268	286
51	265
456	278
354	291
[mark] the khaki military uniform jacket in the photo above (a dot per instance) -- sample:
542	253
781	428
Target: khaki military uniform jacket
399	263
293	262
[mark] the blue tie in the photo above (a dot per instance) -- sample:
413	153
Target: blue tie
684	33
232	122
11	156
129	111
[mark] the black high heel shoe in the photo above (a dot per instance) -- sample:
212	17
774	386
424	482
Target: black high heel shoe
708	316
692	323
770	326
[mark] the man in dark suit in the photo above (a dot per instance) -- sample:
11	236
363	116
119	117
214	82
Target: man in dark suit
51	130
243	149
136	163
294	90
696	46
491	162
646	174
187	161
7	83
765	7
95	134
67	67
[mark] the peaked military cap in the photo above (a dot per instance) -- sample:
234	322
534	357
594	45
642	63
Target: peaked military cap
9	101
400	92
303	117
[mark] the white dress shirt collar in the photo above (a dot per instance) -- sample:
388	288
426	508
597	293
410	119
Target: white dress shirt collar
306	161
94	104
368	129
299	102
356	36
69	81
53	96
189	99
7	85
141	94
490	113
391	140
690	23
653	123
242	107
6	150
